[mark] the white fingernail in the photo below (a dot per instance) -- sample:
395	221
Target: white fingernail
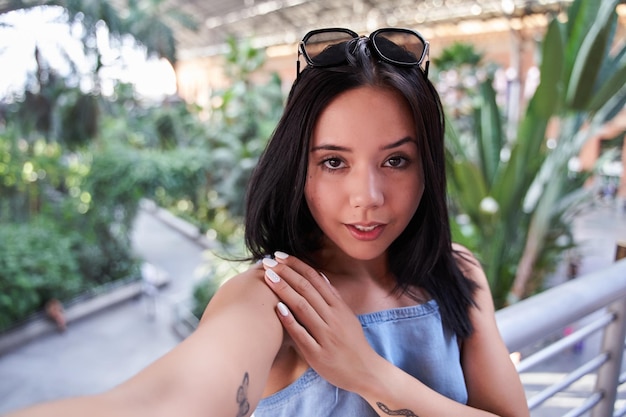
325	277
273	276
269	262
281	255
282	309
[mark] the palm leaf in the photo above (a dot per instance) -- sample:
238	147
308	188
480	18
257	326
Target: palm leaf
489	131
614	75
592	51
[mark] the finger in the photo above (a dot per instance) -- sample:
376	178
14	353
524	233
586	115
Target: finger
305	308
299	283
303	339
316	278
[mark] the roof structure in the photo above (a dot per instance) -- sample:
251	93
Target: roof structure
278	22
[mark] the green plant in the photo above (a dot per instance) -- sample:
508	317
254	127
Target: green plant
37	264
216	270
149	22
242	120
203	291
69	192
25	166
210	161
457	55
47	194
518	199
241	123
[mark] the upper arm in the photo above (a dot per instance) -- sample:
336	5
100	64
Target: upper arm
493	383
225	363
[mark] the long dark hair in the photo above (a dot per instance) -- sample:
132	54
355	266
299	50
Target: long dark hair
278	218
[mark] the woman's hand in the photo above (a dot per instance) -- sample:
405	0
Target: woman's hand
325	330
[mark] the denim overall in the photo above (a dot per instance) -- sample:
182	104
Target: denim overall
412	338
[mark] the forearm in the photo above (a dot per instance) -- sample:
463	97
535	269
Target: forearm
181	383
392	392
92	406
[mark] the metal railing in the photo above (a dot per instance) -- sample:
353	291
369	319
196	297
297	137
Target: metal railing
596	302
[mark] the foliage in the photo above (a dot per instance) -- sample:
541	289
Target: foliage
202	294
200	168
242	120
37	263
149	23
65	186
29	168
457	55
217	269
457	73
518	199
93	194
42	186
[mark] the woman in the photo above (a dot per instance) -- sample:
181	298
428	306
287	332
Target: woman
361	305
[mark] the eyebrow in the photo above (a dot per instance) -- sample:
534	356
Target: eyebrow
393	145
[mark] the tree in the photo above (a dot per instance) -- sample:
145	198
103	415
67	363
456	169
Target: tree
149	22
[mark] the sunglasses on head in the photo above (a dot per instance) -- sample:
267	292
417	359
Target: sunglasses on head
325	48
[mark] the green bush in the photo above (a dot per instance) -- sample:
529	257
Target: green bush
218	268
203	291
36	264
62	214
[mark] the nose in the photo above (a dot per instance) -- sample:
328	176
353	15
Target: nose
366	189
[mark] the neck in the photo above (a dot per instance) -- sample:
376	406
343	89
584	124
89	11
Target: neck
365	285
336	264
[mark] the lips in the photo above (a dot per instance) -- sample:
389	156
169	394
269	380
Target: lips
366	232
365	228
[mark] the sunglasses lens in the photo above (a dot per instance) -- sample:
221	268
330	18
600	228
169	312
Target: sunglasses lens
326	48
399	47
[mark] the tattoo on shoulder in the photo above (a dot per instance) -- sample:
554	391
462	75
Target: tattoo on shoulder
389	412
242	396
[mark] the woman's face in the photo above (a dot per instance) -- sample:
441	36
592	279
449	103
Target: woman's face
364	176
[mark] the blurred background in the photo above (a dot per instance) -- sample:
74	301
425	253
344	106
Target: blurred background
129	128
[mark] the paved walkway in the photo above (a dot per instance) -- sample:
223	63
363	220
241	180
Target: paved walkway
104	349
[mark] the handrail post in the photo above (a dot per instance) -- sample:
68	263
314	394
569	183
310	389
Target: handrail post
620	250
613	343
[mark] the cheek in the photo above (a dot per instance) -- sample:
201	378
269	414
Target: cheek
311	194
412	199
317	197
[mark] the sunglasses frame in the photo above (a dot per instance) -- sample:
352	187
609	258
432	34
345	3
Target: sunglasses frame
372	41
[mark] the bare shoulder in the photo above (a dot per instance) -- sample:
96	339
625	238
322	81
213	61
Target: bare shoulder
469	265
246	291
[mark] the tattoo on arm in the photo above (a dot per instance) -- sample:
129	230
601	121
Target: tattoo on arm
242	396
389	412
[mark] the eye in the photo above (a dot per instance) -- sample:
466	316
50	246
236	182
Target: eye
397	162
333	163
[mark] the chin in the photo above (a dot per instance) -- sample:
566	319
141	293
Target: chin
364	255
